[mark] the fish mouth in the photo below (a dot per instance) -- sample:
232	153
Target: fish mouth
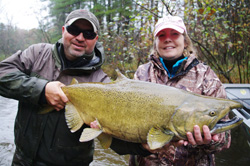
222	126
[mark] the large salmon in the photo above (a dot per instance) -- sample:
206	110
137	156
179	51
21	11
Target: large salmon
138	111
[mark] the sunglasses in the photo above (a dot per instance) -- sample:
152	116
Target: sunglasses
75	31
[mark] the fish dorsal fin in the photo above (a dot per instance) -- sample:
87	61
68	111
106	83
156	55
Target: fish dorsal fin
105	140
89	134
74	81
158	137
120	76
73	118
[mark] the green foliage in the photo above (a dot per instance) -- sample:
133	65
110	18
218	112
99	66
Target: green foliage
129	39
2	57
14	39
220	30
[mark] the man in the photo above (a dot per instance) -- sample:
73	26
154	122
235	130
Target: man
35	77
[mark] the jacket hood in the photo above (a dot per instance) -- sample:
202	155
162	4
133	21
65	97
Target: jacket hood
86	69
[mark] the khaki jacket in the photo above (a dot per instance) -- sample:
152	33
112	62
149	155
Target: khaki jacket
192	76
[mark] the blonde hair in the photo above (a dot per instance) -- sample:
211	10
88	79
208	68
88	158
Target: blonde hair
188	50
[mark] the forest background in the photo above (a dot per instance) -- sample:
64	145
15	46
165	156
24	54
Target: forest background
219	29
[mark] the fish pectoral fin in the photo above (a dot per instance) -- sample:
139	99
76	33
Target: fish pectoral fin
105	140
73	118
158	137
89	134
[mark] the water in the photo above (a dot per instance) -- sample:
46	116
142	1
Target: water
238	154
7	117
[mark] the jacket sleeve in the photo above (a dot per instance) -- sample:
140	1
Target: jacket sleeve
17	81
122	148
143	73
212	85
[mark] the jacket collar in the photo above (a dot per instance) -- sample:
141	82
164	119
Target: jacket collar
184	67
177	64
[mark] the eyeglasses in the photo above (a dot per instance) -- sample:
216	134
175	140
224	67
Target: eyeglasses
75	31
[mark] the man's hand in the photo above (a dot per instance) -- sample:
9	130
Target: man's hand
55	96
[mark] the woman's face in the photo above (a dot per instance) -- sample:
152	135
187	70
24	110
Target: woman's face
170	44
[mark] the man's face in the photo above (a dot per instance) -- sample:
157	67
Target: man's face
76	46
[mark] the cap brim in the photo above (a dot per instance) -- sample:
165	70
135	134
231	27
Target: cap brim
180	30
71	21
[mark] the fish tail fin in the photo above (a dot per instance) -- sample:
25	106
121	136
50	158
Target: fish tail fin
45	109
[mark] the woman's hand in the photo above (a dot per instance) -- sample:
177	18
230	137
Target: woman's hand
198	139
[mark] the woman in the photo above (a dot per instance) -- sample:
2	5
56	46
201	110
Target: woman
173	63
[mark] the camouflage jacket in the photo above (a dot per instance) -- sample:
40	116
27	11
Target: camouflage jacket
192	76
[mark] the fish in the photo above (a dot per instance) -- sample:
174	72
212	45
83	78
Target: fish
143	112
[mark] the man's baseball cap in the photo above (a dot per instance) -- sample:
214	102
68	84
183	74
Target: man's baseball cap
173	22
83	14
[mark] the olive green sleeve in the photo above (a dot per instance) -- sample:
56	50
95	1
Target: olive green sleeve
17	81
21	87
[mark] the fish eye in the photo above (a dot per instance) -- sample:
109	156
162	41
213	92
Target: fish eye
212	113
